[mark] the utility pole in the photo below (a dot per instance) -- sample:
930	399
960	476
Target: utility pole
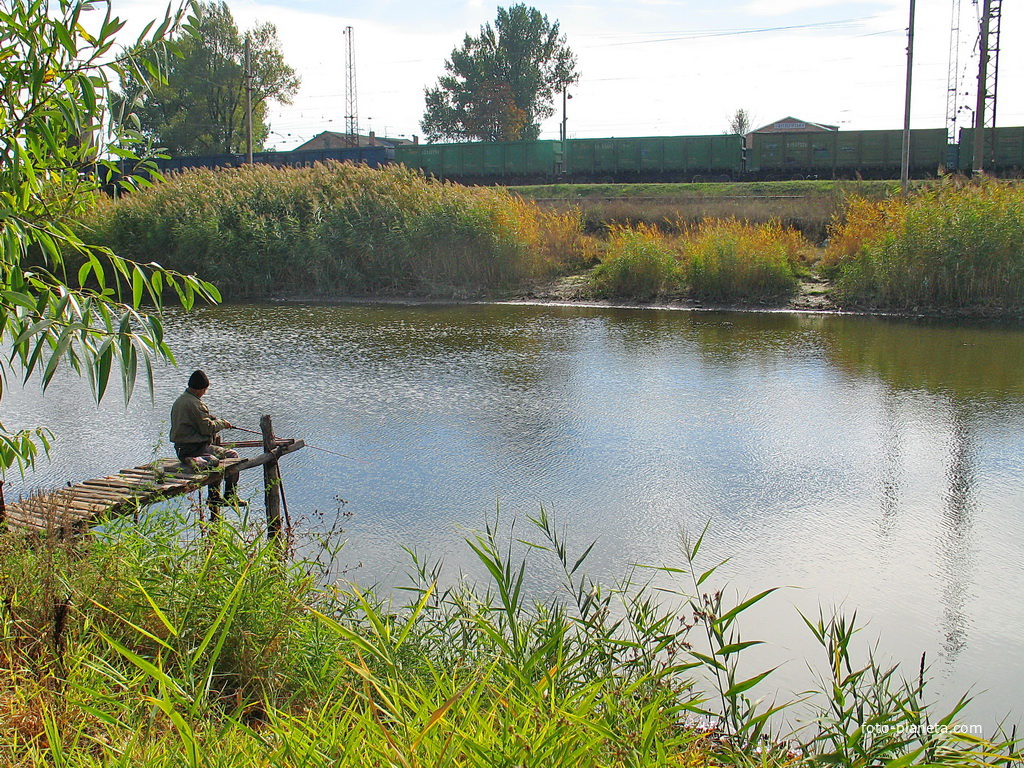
995	13
564	131
979	113
351	111
953	77
248	102
905	166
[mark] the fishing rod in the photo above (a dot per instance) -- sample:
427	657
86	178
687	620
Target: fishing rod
314	447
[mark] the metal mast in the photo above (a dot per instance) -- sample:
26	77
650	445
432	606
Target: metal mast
995	14
988	79
351	111
953	78
905	164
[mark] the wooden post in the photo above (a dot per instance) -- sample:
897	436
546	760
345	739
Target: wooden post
3	506
271	482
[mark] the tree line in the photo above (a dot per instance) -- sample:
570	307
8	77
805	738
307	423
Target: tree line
498	86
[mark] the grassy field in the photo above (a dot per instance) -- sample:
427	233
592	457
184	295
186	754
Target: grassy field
686	192
808	206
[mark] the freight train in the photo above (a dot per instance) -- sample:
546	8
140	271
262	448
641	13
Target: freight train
773	156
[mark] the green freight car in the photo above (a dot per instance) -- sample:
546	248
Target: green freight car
1004	156
655	158
484	162
845	154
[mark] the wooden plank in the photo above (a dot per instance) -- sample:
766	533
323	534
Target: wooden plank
146	474
88	502
109	482
102	498
75	506
109	502
136	481
48	519
263	458
117	485
119	491
68	500
152	488
17	519
184	473
144	488
56	498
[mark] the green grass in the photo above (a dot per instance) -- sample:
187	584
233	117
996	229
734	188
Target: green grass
874	189
158	644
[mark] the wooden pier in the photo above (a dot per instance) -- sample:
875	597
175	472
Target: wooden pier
76	508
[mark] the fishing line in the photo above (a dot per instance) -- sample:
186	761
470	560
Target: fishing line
314	447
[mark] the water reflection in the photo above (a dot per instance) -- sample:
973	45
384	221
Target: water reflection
872	462
957	520
967	361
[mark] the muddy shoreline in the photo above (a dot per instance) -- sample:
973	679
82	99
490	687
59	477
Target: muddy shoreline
812	296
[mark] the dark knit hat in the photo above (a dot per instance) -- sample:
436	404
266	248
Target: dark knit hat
198	380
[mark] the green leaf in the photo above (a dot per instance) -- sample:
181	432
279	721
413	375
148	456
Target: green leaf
83	273
727	650
727	618
905	760
747	684
103	365
57	355
138	284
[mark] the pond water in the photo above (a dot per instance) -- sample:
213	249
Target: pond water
864	463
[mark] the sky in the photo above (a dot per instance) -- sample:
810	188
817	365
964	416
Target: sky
647	67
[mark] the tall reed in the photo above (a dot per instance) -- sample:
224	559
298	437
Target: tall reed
729	260
260	230
639	263
953	245
720	261
211	650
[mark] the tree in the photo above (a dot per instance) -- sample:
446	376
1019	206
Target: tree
740	123
499	86
200	109
62	300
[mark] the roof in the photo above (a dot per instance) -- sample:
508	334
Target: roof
336	139
794	124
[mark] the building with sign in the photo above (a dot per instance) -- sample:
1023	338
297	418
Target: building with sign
793	125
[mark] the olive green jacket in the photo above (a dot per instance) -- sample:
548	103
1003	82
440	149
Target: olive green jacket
191	421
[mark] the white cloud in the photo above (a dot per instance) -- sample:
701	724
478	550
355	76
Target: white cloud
785	7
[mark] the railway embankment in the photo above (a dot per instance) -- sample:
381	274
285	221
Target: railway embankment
806	205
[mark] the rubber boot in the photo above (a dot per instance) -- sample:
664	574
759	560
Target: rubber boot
231	492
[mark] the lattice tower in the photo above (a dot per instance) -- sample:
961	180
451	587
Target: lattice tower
953	79
992	75
351	110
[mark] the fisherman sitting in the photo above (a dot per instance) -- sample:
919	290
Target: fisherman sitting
194	432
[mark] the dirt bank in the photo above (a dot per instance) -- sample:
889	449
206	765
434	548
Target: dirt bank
813	295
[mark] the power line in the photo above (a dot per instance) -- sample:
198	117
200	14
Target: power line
839	24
